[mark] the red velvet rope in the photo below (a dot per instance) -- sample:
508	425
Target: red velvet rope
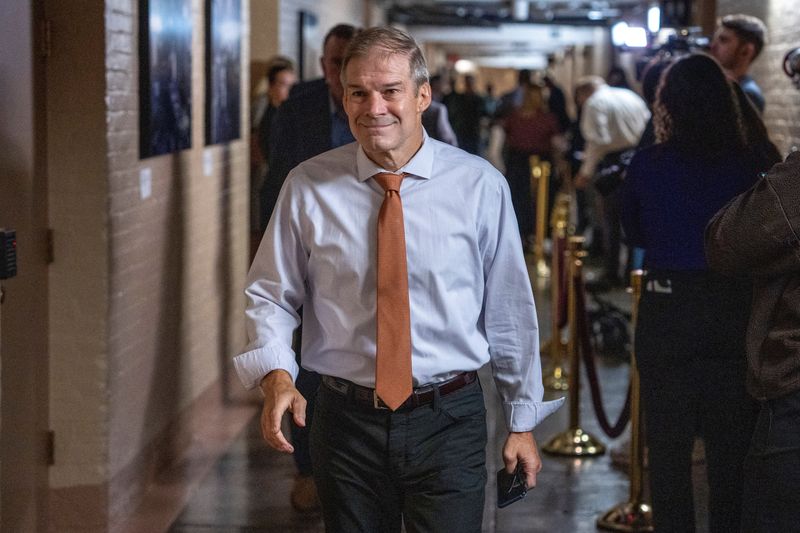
561	279
586	350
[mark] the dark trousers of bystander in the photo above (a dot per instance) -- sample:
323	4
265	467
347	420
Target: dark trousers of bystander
690	352
772	469
421	467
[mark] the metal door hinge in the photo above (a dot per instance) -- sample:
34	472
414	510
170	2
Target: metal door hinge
50	448
51	246
45	38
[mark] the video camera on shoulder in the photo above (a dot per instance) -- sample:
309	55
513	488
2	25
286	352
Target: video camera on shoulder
673	42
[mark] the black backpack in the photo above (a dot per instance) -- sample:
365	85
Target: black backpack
609	328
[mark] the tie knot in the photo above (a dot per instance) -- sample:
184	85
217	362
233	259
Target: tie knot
389	181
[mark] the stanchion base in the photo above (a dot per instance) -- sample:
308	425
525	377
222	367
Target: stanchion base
574	442
556	380
629	517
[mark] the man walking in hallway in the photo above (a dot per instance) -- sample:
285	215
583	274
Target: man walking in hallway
404	253
758	235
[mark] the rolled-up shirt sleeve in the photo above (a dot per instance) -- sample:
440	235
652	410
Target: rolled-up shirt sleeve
510	319
275	291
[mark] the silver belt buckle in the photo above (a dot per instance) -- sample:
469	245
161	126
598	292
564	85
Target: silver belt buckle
376	402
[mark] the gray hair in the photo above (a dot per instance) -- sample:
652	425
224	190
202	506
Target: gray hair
390	41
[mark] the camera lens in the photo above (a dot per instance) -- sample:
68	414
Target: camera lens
791	63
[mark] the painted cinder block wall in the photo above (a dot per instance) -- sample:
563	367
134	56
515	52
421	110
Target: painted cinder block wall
782	113
146	292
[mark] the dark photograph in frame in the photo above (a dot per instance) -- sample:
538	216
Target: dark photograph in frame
223	70
308	45
165	76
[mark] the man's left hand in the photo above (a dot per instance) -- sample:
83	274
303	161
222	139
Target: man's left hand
521	448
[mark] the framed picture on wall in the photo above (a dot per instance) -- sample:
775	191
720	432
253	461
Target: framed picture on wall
309	45
223	70
165	76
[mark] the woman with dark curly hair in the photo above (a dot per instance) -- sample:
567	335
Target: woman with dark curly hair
690	334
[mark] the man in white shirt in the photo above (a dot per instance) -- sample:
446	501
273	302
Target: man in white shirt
612	121
469	300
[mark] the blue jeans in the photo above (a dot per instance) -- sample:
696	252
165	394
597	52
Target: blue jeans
422	467
772	469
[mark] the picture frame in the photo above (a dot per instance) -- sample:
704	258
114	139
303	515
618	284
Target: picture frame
165	76
223	71
309	45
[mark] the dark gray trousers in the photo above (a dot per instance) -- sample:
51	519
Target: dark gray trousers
422	467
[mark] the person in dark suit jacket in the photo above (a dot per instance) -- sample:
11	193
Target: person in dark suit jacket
312	120
309	123
437	123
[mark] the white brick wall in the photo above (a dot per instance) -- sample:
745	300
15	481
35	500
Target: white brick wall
146	299
178	257
782	113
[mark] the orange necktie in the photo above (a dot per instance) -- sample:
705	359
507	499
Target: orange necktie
393	366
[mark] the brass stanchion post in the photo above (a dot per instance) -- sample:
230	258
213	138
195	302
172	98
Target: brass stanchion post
556	375
635	515
574	442
540	177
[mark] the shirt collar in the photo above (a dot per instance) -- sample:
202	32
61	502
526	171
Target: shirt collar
421	165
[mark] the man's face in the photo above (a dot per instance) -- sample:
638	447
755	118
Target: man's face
384	108
331	61
279	90
729	50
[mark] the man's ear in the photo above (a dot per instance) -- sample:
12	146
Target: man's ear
747	51
322	65
424	99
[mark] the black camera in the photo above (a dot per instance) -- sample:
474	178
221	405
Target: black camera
673	43
791	65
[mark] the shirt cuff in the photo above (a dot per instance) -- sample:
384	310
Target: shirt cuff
253	365
524	416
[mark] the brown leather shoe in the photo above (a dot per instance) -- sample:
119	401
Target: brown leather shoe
304	496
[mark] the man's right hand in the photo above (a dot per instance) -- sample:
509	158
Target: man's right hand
280	395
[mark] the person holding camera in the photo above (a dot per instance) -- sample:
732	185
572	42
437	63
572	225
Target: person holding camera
757	235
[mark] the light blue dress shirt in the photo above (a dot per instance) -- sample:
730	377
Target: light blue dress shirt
469	290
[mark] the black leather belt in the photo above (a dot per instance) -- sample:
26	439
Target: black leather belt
366	397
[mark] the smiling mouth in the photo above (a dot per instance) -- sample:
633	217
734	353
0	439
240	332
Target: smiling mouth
375	129
377	125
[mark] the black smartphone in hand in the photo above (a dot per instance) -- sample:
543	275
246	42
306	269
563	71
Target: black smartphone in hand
510	487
